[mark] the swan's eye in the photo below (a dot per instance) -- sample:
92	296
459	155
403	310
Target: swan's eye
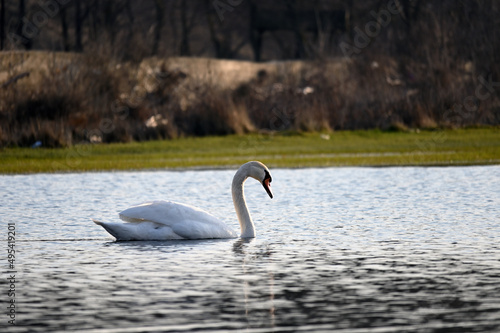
267	177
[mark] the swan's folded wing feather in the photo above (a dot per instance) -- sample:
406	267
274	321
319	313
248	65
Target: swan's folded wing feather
186	221
203	229
163	212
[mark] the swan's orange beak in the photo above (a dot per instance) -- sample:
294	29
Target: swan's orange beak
267	186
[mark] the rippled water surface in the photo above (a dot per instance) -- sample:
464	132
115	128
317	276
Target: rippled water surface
337	249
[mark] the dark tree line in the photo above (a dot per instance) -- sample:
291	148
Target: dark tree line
254	29
219	28
376	64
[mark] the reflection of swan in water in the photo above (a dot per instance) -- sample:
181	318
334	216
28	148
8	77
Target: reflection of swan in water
252	273
165	220
240	244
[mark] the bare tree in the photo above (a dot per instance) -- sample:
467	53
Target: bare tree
131	18
409	12
160	12
185	30
2	24
78	26
189	18
28	43
112	10
64	29
221	33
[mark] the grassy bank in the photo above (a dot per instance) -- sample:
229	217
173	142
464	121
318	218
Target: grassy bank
343	148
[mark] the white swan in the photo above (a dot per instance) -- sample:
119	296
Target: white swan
165	220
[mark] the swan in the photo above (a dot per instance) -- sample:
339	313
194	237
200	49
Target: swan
167	220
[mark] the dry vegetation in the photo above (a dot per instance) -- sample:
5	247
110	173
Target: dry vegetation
62	99
429	65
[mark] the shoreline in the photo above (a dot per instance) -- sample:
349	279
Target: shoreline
370	148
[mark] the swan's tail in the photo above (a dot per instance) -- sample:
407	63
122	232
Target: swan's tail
108	228
97	222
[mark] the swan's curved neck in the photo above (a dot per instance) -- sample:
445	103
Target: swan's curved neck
246	223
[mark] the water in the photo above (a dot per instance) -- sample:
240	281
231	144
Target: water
338	249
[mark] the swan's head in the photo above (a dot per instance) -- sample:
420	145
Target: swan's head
260	172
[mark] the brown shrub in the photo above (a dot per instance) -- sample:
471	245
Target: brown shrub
96	99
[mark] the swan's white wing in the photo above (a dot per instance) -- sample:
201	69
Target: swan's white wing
163	212
184	220
139	231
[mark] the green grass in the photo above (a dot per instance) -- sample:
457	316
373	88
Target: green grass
343	148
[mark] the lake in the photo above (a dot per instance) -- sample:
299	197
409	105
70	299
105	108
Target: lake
412	249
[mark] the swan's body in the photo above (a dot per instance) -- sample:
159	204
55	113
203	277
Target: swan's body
166	220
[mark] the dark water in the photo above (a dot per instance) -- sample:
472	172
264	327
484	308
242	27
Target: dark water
340	249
